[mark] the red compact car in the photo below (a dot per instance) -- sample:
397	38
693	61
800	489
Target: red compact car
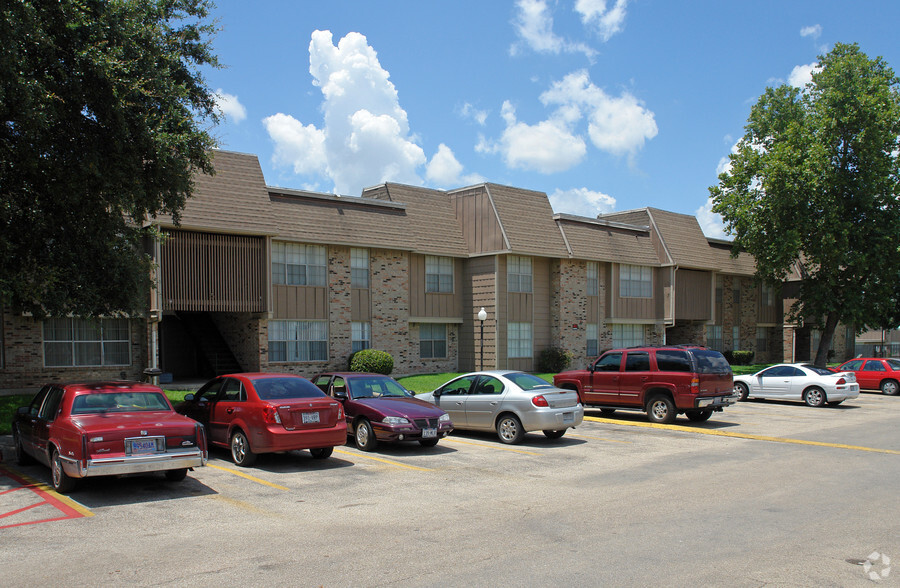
875	373
106	428
266	413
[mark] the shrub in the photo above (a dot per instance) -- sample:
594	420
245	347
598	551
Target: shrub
372	360
554	360
738	357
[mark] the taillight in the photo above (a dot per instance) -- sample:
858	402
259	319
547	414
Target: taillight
539	400
841	381
340	412
695	385
270	415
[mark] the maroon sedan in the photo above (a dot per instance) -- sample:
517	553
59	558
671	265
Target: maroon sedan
106	428
378	408
266	413
875	373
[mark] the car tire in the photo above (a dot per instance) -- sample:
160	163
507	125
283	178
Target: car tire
661	410
889	387
554	434
699	416
364	436
61	481
428	442
509	429
321	452
22	458
607	411
814	396
741	390
176	475
241	453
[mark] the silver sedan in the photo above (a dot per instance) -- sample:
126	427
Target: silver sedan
509	402
813	385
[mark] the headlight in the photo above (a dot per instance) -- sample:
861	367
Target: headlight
445	418
395	421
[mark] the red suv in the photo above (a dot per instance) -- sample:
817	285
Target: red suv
661	381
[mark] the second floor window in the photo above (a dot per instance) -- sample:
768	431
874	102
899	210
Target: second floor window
518	274
635	281
593	340
714	337
438	274
593	278
767	295
359	268
295	264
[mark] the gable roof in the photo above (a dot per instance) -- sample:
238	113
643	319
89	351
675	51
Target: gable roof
526	219
601	240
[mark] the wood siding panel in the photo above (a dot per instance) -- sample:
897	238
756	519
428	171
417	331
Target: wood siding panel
300	302
520	307
361	304
648	309
433	305
481	230
480	286
693	295
540	321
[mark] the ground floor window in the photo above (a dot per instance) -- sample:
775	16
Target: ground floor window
298	341
593	340
714	337
735	338
432	341
627	335
361	336
762	339
71	342
518	340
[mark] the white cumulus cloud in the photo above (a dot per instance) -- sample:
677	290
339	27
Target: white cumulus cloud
297	146
607	21
546	147
534	26
710	222
814	31
582	201
444	171
230	106
802	75
469	111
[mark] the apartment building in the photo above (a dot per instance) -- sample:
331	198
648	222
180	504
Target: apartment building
256	277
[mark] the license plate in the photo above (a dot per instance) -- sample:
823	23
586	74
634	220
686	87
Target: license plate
429	433
568	417
143	446
310	418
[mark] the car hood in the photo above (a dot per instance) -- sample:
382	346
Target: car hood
405	407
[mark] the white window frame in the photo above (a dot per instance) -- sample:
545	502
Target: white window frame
767	295
519	341
433	341
80	340
593	278
359	267
714	337
628	335
298	341
635	281
519	274
360	336
438	274
297	264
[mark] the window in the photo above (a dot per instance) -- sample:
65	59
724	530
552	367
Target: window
627	335
518	274
438	274
518	342
874	366
298	341
359	268
637	361
593	340
852	366
233	391
714	337
762	339
2	346
70	342
51	405
609	362
673	360
360	336
720	285
593	278
488	385
767	295
635	281
432	341
736	295
298	265
735	338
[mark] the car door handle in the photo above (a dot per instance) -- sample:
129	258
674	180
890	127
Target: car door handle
229	410
644	378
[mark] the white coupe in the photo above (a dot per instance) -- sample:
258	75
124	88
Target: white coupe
813	385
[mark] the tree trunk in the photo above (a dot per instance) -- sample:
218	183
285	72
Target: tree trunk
831	322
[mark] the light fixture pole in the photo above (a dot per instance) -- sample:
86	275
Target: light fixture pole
481	316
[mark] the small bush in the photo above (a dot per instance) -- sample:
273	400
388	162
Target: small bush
372	360
554	360
738	357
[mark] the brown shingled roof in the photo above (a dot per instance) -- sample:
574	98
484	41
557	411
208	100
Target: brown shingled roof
527	220
601	240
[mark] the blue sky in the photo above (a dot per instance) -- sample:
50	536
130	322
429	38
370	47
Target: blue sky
604	105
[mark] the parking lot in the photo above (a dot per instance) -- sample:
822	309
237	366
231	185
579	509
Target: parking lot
763	493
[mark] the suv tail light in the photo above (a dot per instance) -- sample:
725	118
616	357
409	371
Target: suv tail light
340	412
270	415
539	400
695	385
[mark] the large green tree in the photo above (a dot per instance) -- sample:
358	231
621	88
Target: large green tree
104	119
813	186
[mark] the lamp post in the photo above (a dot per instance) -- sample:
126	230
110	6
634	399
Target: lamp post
481	316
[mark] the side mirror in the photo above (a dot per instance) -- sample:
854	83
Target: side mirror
436	393
591	368
188	397
340	393
22	410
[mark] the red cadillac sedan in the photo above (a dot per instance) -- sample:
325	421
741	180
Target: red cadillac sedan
253	413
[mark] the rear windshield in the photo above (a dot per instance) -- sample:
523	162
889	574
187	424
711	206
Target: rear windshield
103	402
817	370
284	388
711	362
528	381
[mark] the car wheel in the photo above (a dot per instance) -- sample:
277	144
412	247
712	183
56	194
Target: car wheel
365	436
22	458
509	429
890	387
607	411
428	442
61	481
322	452
699	416
176	475
661	410
741	390
241	453
814	396
835	403
554	434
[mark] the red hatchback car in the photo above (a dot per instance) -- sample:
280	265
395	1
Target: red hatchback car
875	373
257	413
106	428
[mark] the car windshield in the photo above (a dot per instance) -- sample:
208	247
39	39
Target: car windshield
103	402
711	362
375	388
284	388
528	381
818	370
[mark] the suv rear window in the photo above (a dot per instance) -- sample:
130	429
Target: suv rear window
711	362
673	360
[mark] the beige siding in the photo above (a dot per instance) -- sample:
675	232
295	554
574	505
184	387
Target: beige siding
540	322
693	295
633	308
480	286
361	304
481	229
300	302
432	305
